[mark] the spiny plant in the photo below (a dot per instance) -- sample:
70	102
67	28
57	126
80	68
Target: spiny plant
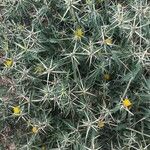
75	74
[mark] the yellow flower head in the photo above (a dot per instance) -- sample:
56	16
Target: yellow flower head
21	27
16	110
8	62
39	69
35	129
108	41
43	147
127	103
78	33
101	124
106	76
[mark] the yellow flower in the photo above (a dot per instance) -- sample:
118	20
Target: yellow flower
78	33
35	129
16	110
8	62
43	147
106	77
21	27
101	124
39	69
127	103
108	41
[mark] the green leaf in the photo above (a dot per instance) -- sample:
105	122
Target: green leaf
133	73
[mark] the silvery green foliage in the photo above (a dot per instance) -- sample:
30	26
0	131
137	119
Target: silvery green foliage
65	85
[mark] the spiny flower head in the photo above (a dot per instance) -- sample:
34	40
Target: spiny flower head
16	110
78	33
106	76
43	147
8	62
101	123
127	103
35	129
39	69
108	41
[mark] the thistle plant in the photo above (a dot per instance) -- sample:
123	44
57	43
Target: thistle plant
75	74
